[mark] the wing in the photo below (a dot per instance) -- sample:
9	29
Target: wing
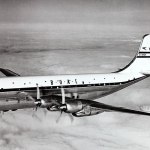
76	107
81	108
8	72
50	102
109	108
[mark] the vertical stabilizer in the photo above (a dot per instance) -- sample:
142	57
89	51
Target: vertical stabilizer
141	62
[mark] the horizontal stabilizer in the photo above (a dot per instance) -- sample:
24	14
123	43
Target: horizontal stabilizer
8	72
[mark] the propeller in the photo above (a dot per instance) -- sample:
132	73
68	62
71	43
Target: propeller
71	117
45	112
63	107
1	114
34	115
38	93
38	100
63	95
63	103
59	117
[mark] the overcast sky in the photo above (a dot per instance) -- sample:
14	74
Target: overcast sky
78	11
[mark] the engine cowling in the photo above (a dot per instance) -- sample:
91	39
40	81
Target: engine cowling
72	106
77	107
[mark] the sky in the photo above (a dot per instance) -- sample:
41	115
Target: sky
78	11
44	37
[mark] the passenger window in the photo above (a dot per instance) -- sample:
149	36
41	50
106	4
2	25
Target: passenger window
60	81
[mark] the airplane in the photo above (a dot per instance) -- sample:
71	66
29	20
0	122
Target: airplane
74	94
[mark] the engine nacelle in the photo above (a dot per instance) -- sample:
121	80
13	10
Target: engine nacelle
78	107
87	111
73	106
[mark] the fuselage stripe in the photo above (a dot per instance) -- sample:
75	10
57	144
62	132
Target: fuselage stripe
143	52
143	56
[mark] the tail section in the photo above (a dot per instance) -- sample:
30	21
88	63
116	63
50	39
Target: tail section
141	62
144	51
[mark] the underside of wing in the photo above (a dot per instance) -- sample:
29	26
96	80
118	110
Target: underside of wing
106	107
76	107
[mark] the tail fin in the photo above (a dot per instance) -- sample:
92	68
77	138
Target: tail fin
141	62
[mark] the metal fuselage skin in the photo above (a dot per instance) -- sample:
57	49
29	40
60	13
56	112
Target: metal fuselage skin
84	86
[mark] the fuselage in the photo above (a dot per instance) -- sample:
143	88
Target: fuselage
89	86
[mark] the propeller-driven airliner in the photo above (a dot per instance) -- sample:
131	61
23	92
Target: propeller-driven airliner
74	94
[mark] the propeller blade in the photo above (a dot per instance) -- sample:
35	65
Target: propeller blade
45	112
58	119
71	117
1	114
38	98
34	115
38	92
36	108
63	95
